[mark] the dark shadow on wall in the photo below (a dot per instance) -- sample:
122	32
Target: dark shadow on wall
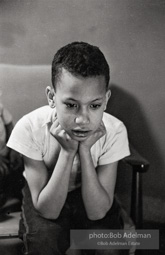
126	107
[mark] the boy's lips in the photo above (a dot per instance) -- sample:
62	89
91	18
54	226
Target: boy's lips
81	133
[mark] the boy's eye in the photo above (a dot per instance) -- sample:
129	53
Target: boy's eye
95	106
69	105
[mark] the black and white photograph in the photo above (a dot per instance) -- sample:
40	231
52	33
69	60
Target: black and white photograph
82	123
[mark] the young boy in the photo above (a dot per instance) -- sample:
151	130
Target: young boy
71	149
10	161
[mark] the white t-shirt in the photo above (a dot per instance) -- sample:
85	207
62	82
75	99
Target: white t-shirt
5	119
31	137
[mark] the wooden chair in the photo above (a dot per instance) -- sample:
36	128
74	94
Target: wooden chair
10	244
138	165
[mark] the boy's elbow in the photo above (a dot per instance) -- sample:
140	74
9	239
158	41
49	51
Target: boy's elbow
100	214
96	217
47	214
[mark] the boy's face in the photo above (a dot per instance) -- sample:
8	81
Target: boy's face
80	103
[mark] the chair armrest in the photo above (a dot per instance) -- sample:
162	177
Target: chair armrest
139	166
137	161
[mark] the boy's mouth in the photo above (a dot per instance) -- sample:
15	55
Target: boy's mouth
80	133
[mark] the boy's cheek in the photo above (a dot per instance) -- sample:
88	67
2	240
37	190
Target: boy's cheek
64	124
65	120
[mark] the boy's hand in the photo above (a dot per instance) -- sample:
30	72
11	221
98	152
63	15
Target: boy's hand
66	142
92	139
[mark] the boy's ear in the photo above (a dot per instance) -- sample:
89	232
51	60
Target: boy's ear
50	94
108	95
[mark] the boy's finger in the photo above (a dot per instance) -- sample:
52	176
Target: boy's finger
54	117
55	123
55	128
67	136
102	124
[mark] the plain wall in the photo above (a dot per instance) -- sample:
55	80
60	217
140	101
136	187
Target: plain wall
131	35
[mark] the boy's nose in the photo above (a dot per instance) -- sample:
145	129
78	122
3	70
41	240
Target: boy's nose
82	119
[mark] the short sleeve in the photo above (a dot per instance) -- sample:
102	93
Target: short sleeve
116	146
22	139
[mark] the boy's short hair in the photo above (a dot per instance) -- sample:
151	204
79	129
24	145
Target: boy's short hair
80	59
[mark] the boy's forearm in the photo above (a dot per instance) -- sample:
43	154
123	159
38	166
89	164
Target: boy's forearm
95	197
52	198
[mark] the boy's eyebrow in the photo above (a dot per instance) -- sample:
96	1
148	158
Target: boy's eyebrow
73	99
97	99
69	98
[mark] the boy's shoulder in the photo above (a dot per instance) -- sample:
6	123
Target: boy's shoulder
38	117
111	122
